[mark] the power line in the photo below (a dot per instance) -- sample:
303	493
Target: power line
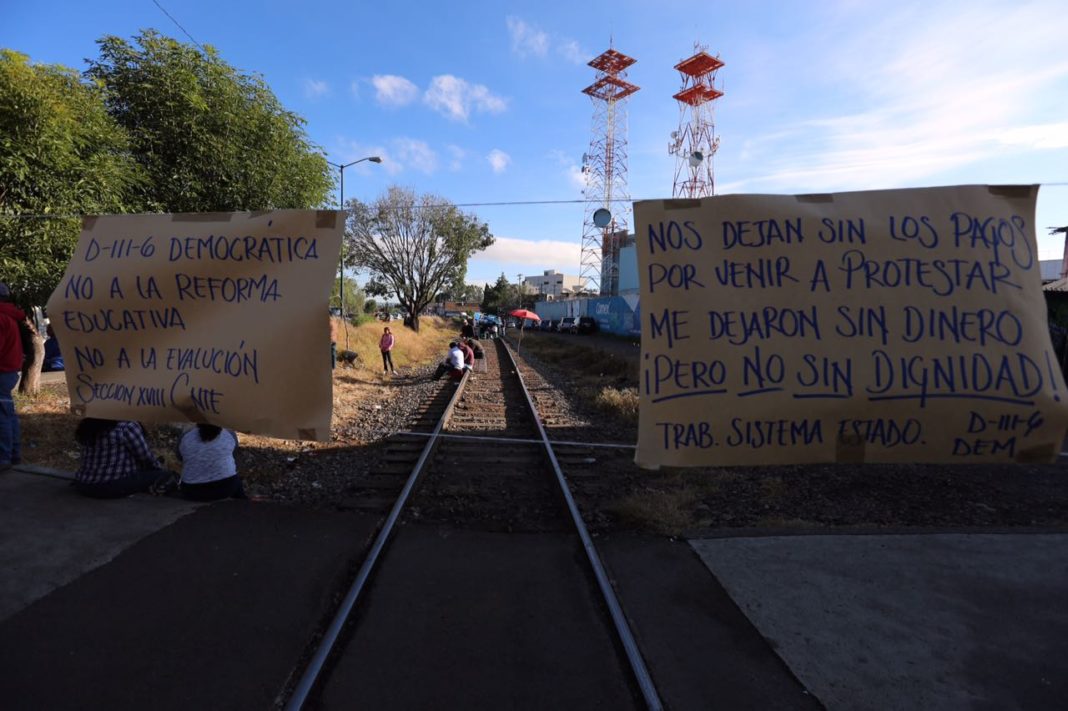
505	203
191	39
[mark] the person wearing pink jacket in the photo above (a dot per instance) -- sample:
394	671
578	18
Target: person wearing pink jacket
386	346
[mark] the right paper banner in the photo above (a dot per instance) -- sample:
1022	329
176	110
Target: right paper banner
883	326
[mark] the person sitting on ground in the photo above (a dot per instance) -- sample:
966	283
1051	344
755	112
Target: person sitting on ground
116	460
469	353
333	342
453	363
476	348
467	330
209	472
53	359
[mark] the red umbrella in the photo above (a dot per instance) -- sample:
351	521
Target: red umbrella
523	313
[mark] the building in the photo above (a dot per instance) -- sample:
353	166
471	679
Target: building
455	308
553	285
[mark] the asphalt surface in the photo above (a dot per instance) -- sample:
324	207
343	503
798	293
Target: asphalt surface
152	603
212	611
478	620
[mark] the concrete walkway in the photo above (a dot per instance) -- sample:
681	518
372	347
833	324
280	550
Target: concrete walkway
940	621
49	536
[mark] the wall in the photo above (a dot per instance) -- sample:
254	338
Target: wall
620	315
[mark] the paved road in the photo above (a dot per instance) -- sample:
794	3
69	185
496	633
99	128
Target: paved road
148	602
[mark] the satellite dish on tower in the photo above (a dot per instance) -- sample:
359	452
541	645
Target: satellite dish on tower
585	158
602	217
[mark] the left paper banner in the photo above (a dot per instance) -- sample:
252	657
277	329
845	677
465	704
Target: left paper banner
219	318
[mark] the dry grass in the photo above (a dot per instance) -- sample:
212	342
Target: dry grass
668	503
621	402
600	379
668	511
48	425
411	348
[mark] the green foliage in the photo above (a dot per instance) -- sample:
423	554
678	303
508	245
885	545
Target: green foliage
208	137
370	306
354	296
412	246
60	154
500	297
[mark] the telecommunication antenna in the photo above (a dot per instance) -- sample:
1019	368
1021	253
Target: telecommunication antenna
605	168
695	142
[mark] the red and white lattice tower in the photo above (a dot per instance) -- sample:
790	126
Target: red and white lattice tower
695	143
605	166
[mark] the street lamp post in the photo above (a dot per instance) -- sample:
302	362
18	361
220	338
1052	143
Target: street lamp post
341	267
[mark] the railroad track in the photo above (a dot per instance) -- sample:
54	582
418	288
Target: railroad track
476	458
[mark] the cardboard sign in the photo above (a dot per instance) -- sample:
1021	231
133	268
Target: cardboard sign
218	318
888	326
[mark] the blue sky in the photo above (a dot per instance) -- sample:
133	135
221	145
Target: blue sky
481	101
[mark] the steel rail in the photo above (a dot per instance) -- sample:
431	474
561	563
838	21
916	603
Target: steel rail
630	645
326	644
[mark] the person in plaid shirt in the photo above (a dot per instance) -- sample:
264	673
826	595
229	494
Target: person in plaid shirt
116	460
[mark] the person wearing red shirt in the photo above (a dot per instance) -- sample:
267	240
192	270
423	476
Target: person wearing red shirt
469	354
10	367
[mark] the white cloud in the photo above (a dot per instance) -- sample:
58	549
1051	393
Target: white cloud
529	40
315	89
532	256
571	170
456	98
458	154
526	39
498	160
416	154
575	177
924	106
393	90
571	51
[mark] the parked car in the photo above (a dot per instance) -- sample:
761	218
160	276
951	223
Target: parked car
587	325
568	325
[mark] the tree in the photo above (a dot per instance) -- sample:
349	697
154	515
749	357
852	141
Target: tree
370	306
412	246
501	297
208	137
469	293
61	155
354	297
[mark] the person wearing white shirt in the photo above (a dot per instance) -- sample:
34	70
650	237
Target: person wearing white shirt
209	471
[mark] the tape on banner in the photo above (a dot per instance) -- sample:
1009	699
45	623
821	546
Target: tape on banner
681	204
1039	454
201	216
88	223
1012	191
849	449
307	434
78	410
326	219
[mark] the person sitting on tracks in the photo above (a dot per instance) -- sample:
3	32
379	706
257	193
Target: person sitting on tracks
116	460
209	472
480	356
469	353
453	363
